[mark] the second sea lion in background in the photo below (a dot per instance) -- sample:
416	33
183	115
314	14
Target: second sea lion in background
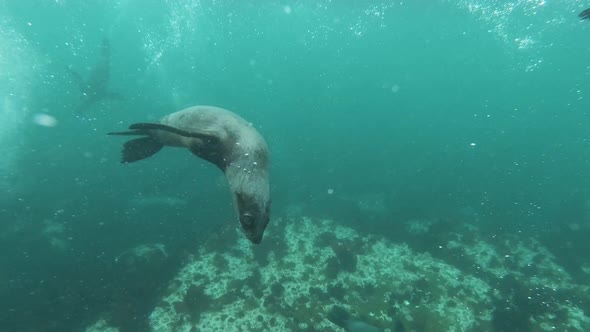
96	88
585	14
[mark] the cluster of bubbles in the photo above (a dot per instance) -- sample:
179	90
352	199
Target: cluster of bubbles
526	27
180	19
361	18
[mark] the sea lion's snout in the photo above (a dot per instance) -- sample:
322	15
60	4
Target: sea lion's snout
254	215
256	239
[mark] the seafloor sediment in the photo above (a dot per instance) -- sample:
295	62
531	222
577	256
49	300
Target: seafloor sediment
472	282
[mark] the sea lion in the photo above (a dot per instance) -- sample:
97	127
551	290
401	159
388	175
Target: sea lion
585	14
96	88
222	138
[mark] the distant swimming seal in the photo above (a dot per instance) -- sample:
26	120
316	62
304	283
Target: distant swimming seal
585	14
222	138
95	89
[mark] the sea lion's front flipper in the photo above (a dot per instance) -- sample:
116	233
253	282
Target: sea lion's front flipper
139	148
77	78
202	134
86	104
129	133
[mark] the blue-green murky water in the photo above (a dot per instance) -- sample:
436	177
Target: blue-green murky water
376	114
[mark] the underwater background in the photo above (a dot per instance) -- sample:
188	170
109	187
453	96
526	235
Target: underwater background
430	165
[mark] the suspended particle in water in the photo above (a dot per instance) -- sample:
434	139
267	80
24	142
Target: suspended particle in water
287	9
395	88
44	120
330	191
472	144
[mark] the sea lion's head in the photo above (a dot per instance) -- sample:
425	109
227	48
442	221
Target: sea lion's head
254	214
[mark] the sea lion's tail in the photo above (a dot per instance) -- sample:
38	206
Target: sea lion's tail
139	148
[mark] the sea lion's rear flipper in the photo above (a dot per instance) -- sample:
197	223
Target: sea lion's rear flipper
202	134
140	148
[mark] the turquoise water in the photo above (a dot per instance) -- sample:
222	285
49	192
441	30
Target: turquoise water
377	114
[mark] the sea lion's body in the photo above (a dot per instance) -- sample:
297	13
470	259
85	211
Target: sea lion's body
224	139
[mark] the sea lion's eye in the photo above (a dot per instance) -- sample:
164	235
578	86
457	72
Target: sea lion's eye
247	218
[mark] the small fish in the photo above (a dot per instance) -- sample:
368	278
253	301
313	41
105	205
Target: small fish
584	15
